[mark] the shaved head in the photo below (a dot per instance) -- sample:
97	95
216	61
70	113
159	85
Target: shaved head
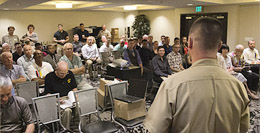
7	59
207	33
62	69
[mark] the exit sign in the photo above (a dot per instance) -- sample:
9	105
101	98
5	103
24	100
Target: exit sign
199	8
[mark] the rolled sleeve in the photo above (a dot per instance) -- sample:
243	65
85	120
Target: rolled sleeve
26	112
155	123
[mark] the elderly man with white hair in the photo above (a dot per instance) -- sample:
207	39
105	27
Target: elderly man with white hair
61	81
14	111
90	54
9	70
75	65
6	47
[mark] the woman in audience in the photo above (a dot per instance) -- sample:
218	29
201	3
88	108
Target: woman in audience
30	35
155	47
229	67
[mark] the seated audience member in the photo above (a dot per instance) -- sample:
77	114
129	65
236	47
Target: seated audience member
160	66
90	54
176	40
39	69
61	81
82	33
18	52
161	43
75	65
10	38
184	46
52	58
30	35
120	46
77	45
239	65
124	37
132	56
167	47
15	111
155	47
150	42
145	54
251	56
229	67
27	59
9	70
137	43
6	48
38	46
174	59
107	47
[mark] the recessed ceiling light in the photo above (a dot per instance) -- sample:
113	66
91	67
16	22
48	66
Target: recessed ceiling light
130	7
100	6
6	9
63	5
189	4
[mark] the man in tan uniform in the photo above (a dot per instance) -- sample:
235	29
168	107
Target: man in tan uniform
203	98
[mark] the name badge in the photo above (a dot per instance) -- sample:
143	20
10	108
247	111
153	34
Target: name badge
76	66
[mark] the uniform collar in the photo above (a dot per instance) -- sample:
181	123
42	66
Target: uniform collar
205	62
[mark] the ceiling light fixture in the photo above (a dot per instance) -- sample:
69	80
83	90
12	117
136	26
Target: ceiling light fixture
63	5
130	7
189	4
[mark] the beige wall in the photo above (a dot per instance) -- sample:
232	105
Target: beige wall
243	21
249	18
46	21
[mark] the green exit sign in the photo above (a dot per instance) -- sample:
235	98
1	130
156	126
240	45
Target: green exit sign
199	8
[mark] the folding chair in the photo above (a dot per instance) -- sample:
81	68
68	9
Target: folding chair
117	55
28	90
87	105
47	110
114	91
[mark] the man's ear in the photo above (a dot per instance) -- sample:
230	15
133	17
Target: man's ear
220	45
190	43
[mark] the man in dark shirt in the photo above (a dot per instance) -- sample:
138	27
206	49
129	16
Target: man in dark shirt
132	55
14	110
160	66
166	45
52	58
61	36
83	34
18	52
145	54
61	81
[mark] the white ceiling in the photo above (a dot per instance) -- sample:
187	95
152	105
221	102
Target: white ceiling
113	5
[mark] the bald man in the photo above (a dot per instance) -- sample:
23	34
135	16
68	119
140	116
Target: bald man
61	81
27	59
6	47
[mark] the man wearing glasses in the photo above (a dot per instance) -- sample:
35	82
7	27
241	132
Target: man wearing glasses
174	59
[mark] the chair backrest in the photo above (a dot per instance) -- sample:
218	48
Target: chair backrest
47	108
118	89
105	58
86	101
137	88
117	55
28	90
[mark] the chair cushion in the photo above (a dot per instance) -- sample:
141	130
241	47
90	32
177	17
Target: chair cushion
130	123
100	127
